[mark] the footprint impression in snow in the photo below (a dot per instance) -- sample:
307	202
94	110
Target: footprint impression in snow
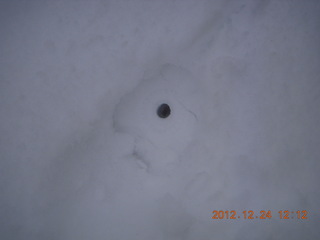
160	115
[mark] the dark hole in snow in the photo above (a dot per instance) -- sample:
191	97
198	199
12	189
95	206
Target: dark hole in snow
164	110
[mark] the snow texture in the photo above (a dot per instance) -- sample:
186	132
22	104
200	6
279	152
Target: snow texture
158	141
85	155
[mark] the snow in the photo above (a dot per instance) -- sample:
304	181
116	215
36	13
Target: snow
84	154
157	140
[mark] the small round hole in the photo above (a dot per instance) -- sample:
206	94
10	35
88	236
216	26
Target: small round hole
164	110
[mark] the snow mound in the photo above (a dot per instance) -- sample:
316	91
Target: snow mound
161	114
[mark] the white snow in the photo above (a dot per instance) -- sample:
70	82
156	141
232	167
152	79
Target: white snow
158	141
84	155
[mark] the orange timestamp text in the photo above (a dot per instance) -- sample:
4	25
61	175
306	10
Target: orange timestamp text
263	214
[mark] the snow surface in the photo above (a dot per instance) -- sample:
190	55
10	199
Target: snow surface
83	154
